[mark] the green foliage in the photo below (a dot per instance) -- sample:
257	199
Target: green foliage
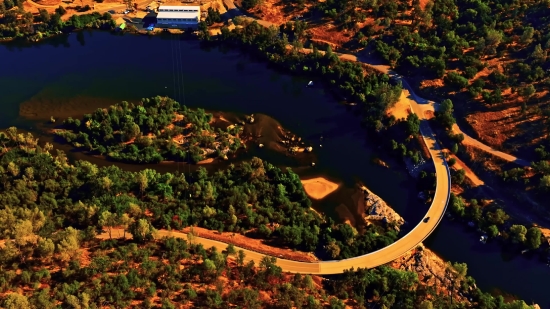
150	132
251	197
168	272
518	234
456	80
492	222
35	28
16	301
533	238
213	16
445	114
413	124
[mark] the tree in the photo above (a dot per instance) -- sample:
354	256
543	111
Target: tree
333	249
454	148
131	130
456	80
78	303
16	301
527	35
457	205
142	230
213	16
231	249
240	258
204	33
492	231
426	304
142	181
527	92
533	238
492	40
125	221
209	265
445	114
518	233
545	182
539	54
69	246
24	236
413	124
249	4
108	220
498	217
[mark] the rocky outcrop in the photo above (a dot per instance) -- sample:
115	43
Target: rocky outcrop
434	272
377	210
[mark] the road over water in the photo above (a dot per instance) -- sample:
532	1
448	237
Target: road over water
373	259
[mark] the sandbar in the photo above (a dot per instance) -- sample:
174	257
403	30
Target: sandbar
319	187
206	161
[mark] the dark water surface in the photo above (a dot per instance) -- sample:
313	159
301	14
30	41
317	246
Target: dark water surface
73	75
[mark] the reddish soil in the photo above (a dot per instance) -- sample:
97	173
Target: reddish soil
277	12
251	244
496	126
329	33
48	2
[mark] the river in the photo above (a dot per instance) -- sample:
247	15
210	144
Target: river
75	74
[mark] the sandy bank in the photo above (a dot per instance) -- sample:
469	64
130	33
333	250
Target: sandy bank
206	161
318	188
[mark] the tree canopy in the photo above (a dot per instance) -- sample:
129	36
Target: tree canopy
153	130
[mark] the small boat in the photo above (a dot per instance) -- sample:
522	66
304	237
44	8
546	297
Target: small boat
310	84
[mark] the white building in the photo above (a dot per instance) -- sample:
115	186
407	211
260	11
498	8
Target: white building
180	16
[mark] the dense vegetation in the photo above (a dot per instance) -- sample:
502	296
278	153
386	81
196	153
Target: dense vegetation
455	39
52	211
385	287
151	131
155	274
162	274
15	22
254	197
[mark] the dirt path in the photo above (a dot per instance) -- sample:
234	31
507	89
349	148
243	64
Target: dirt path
428	106
99	7
44	6
468	140
476	181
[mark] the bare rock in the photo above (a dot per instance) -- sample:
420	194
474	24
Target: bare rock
377	210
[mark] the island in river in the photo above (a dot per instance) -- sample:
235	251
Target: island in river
153	130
